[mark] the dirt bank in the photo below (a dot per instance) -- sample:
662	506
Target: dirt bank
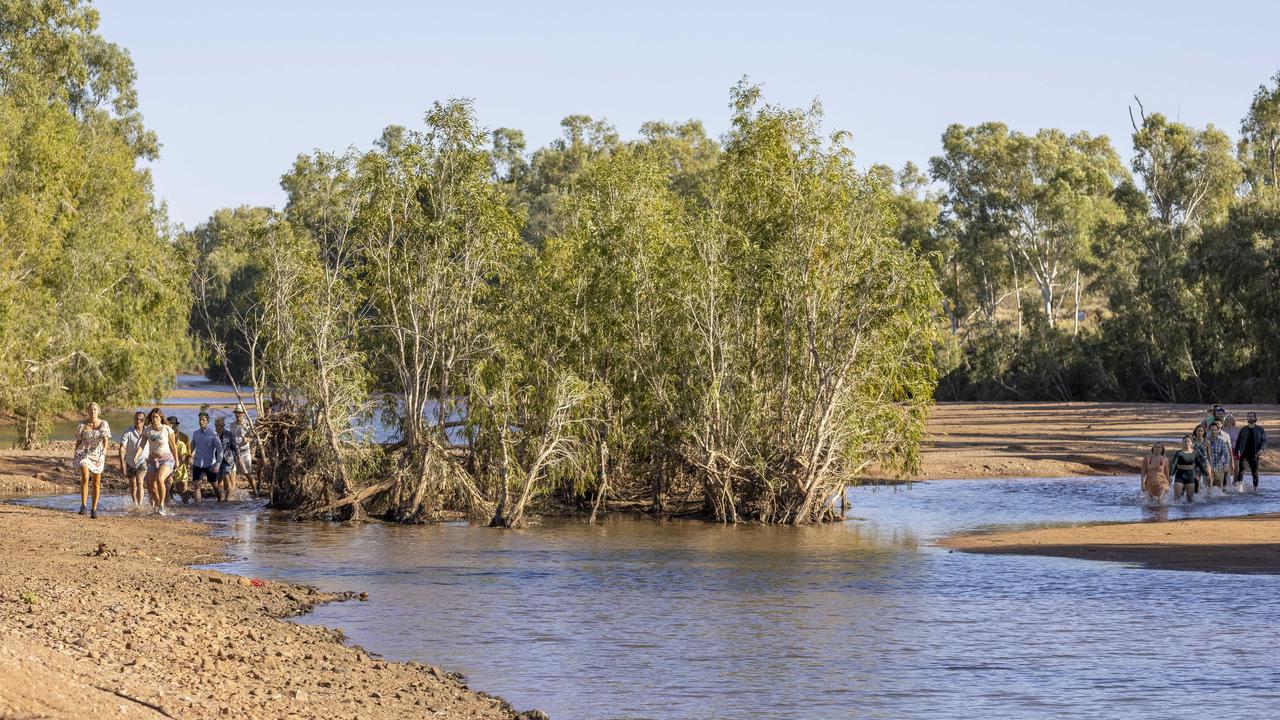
1235	545
1034	439
101	619
48	470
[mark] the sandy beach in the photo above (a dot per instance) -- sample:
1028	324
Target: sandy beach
1233	545
102	619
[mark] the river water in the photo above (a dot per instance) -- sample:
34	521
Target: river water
640	619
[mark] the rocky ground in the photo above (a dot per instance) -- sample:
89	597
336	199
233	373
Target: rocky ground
103	619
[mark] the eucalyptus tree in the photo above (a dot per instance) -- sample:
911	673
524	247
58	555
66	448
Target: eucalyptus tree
607	286
1159	299
1259	146
686	152
436	240
551	169
92	298
225	256
814	327
1037	199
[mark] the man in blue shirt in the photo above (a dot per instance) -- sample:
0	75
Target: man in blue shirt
206	456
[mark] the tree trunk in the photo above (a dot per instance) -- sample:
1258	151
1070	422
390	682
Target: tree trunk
1076	329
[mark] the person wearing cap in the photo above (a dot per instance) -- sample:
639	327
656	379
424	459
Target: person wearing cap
1216	412
206	457
181	482
240	430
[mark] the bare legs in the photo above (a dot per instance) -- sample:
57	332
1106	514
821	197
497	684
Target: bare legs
84	489
136	482
97	492
86	479
158	485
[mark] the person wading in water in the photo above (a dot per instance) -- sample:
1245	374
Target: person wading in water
1249	446
206	457
1200	442
1155	473
162	448
1220	460
1183	468
227	465
134	469
90	457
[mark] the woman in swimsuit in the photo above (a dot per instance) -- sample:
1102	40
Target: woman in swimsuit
1183	467
1155	473
1200	443
162	449
92	437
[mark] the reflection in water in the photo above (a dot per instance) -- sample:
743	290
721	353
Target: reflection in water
635	619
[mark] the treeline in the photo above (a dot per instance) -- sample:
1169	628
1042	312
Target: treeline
651	322
1068	276
93	295
740	324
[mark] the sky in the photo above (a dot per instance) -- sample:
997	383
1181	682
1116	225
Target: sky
236	89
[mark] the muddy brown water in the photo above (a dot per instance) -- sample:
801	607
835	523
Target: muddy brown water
641	619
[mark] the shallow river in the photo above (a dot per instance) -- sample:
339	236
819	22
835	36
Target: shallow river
634	619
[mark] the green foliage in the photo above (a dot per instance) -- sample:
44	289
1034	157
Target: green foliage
93	301
1260	137
1025	207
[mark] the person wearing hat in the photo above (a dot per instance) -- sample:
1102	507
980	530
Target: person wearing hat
240	431
206	457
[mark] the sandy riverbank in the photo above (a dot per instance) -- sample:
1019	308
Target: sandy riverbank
132	632
1235	545
1015	439
1034	439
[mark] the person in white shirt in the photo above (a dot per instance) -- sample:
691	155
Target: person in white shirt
240	430
133	457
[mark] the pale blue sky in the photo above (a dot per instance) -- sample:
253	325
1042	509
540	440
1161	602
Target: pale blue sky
236	88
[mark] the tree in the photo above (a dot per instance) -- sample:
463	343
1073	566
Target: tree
1259	146
1038	200
92	295
813	326
1156	334
436	240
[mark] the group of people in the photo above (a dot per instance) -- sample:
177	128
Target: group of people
1212	459
160	461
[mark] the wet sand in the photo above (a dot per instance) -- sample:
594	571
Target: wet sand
101	618
1232	545
1033	439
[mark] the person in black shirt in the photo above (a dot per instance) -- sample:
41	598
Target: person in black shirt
1250	443
1182	469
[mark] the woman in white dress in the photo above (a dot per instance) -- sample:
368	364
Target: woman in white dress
92	437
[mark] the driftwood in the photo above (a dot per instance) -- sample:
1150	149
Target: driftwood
360	496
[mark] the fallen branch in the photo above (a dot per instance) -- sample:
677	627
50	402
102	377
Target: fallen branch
348	500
